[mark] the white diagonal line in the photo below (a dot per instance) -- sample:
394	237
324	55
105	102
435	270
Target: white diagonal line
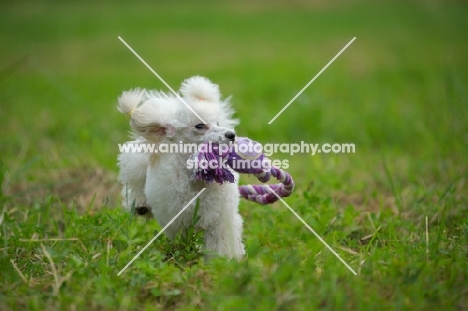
160	232
315	233
161	79
313	79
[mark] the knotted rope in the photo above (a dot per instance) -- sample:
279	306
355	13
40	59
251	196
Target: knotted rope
214	162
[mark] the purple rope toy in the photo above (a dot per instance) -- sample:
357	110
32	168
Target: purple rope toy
213	163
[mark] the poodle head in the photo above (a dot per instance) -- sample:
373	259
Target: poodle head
198	115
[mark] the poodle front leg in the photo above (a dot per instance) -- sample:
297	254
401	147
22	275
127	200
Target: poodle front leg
225	238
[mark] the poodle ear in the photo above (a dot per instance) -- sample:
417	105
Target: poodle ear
148	131
153	131
147	119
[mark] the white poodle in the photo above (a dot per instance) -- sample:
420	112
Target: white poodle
161	181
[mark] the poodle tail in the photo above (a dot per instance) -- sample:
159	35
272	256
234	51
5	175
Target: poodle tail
130	100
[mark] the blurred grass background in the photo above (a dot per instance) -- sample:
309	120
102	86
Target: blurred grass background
398	93
398	87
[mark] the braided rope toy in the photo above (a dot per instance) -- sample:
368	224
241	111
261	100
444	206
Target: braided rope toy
214	163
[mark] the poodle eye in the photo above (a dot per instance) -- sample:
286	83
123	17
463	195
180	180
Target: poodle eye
200	126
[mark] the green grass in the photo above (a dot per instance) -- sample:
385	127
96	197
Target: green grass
398	93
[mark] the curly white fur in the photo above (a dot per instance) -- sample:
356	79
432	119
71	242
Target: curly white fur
162	181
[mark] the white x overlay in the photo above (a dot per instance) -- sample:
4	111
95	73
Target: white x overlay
161	79
310	82
160	232
271	121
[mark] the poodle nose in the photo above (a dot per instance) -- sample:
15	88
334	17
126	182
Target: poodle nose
230	135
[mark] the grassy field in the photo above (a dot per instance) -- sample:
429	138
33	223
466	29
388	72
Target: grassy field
399	93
